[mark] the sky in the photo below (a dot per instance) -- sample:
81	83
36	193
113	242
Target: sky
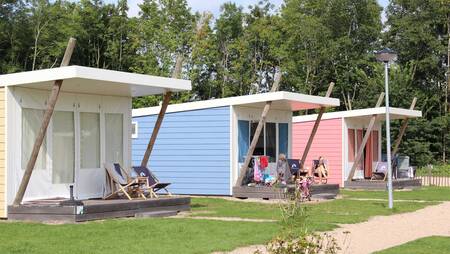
212	6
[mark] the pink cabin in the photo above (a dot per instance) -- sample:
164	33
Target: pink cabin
338	138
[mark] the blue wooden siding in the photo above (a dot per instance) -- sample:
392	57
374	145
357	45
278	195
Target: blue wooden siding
192	150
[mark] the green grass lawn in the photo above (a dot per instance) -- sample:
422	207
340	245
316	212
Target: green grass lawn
197	236
433	244
322	216
425	193
133	236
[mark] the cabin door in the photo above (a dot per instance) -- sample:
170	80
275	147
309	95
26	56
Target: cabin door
62	146
359	138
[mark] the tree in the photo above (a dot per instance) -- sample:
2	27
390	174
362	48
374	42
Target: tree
418	31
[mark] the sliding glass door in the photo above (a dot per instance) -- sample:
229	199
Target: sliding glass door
63	146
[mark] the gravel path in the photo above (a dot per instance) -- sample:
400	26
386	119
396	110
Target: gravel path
382	232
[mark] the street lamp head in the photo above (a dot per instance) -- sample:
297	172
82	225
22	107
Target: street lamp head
386	55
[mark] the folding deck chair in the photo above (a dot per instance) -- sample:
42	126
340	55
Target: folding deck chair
295	167
380	171
120	183
153	184
323	179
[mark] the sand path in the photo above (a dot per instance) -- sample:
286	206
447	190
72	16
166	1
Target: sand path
382	232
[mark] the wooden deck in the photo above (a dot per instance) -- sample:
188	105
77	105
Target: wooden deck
381	185
318	191
96	209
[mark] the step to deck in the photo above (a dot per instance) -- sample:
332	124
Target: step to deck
156	214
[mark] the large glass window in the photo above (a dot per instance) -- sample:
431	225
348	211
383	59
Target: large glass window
63	146
267	142
283	138
31	123
259	149
243	139
114	138
271	141
90	140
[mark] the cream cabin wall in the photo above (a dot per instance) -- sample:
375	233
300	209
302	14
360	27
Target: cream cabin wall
40	185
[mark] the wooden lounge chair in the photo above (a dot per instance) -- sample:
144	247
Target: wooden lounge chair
153	184
120	183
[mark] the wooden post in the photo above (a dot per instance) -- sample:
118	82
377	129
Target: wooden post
314	130
402	132
403	129
364	141
167	95
262	120
46	120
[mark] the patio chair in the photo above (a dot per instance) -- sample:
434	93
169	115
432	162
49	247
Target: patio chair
380	171
153	184
322	179
295	167
120	183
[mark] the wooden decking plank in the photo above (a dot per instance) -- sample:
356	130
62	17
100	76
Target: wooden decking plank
128	213
24	209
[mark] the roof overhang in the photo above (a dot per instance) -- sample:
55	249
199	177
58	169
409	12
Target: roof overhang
280	101
394	113
79	79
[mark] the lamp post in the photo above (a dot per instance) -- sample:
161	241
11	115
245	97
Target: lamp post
387	56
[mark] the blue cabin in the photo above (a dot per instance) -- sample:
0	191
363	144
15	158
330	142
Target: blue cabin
201	145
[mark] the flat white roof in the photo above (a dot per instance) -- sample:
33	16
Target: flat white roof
395	113
280	101
79	79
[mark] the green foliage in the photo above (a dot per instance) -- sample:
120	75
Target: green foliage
440	169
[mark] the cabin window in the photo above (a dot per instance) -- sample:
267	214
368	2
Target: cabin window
114	138
283	138
134	130
243	138
271	141
259	149
63	147
89	140
267	142
31	123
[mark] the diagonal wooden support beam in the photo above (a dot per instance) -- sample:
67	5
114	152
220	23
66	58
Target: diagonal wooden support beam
402	131
262	120
314	130
365	139
403	128
167	95
46	120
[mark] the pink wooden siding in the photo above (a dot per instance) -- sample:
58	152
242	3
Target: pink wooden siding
327	143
